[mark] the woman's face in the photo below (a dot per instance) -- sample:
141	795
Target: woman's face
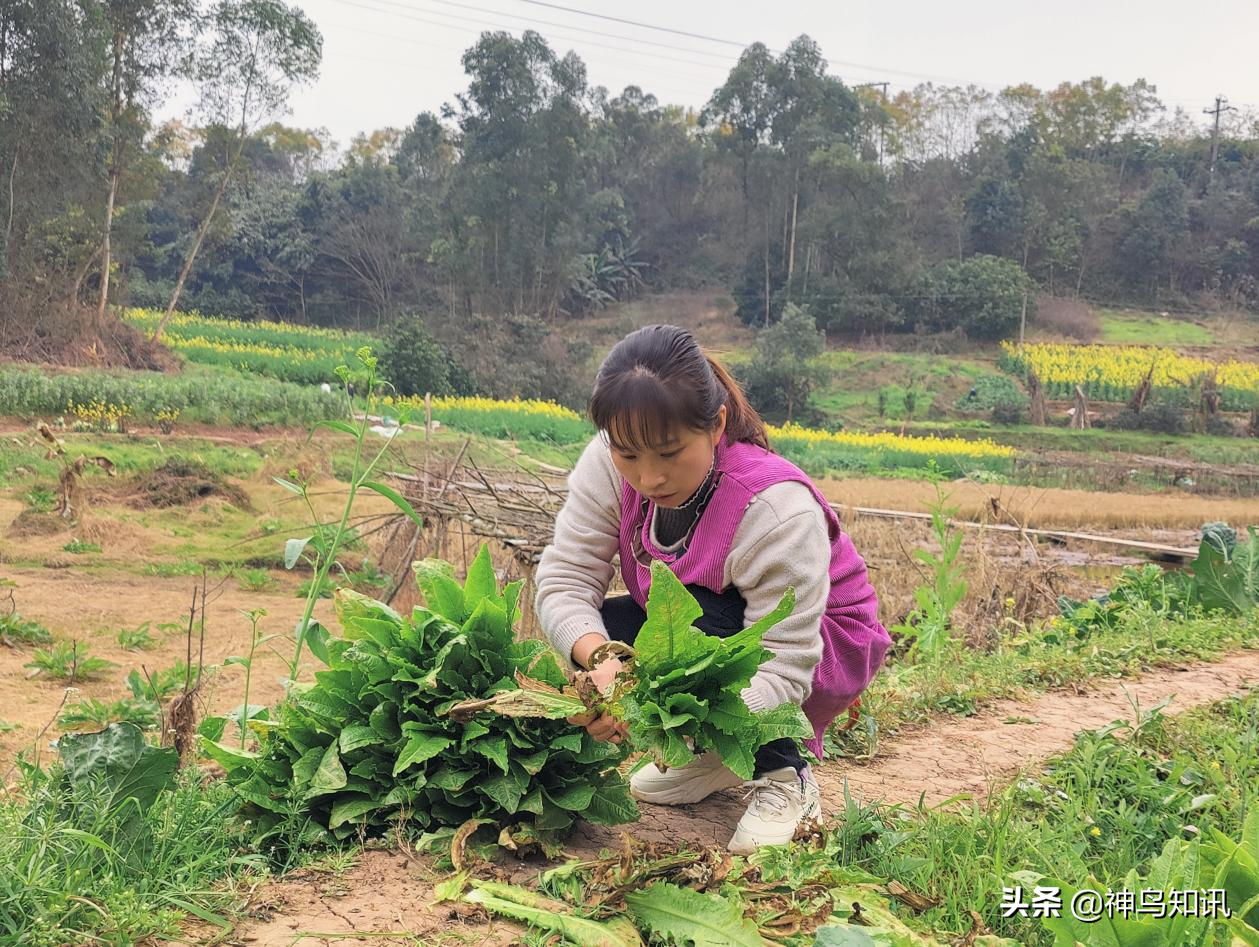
671	471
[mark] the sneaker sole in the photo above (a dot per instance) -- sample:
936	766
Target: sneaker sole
669	797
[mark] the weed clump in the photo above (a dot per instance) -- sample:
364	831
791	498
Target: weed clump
181	481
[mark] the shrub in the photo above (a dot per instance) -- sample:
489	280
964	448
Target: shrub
414	361
1067	317
982	296
783	370
1158	417
991	392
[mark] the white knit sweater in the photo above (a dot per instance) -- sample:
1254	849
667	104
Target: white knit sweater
781	541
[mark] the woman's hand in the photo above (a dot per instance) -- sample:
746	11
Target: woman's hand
602	726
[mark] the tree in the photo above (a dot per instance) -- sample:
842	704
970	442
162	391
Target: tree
784	368
51	107
147	40
1154	229
983	295
516	207
259	51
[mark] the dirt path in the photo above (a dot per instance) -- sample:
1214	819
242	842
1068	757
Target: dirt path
386	891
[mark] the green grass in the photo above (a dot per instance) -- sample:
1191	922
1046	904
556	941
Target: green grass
1103	808
205	395
858	382
1147	328
73	874
1039	658
302	354
23	460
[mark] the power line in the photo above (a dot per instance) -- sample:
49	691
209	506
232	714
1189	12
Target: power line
726	42
460	49
690	51
644	26
410	15
630	65
725	57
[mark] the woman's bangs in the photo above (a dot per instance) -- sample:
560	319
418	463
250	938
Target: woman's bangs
638	413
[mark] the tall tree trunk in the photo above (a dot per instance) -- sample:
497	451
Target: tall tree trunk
767	293
8	226
791	250
103	302
200	238
115	173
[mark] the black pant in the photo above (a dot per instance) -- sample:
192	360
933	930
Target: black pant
723	616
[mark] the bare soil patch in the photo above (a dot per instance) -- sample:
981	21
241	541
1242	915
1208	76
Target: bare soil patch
91	608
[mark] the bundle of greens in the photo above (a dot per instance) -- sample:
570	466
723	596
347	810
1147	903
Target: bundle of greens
681	690
371	740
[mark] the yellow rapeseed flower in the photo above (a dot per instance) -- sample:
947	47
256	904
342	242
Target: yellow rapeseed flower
886	440
523	406
1124	367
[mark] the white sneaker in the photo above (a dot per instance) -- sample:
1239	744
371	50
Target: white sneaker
679	785
781	800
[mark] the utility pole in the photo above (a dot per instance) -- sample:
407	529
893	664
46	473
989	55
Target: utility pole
883	86
1221	106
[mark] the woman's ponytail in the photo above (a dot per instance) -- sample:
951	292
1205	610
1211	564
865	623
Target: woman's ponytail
743	424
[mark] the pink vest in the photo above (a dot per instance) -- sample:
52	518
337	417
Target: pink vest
853	641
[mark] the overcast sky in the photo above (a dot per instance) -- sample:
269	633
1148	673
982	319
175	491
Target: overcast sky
387	60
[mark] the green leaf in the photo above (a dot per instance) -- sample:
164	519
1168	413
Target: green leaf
442	594
671	610
751	635
351	808
611	803
574	798
522	905
506	789
119	762
211	728
420	747
357	736
345	427
1228	583
495	750
396	498
734	752
287	485
786	721
306	766
330	776
229	757
293	551
682	916
481	584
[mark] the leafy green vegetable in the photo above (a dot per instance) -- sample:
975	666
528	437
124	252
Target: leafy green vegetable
372	740
1217	863
119	765
683	693
523	905
1225	579
687	697
682	916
